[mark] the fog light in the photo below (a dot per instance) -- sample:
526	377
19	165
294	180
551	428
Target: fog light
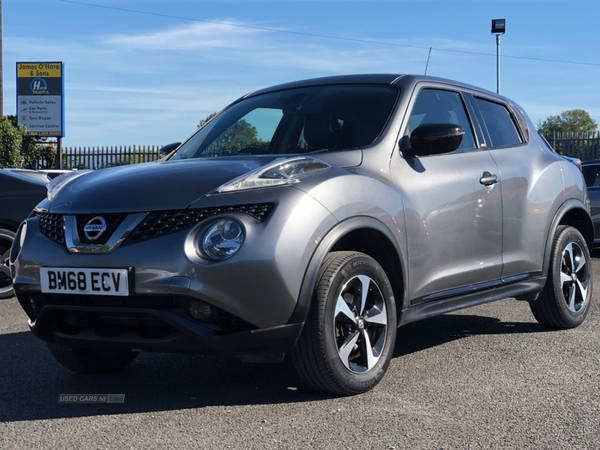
200	310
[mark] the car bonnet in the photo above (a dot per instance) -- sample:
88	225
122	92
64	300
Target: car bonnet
151	186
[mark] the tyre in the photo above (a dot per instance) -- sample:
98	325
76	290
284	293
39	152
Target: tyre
6	239
83	360
565	300
348	339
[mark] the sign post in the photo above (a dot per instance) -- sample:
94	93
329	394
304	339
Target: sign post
498	28
40	100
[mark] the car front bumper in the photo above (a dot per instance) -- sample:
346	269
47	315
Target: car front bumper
252	295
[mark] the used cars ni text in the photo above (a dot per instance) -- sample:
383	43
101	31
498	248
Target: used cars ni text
312	219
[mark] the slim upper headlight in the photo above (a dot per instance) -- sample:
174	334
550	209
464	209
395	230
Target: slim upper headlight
56	185
279	173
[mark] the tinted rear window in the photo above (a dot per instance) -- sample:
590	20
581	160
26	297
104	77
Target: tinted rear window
499	123
591	173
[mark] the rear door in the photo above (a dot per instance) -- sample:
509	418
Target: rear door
532	185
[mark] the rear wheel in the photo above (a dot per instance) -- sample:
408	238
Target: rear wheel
83	360
565	300
348	339
6	239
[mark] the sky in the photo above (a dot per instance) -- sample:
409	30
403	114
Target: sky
148	77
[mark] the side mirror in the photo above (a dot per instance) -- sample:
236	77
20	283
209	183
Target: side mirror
435	138
164	151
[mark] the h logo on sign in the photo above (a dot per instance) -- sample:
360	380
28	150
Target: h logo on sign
38	85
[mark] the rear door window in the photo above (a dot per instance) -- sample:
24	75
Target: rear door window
499	123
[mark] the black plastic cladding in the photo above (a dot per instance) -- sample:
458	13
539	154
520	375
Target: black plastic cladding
220	321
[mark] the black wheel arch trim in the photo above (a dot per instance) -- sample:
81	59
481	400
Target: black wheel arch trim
11	224
569	206
333	236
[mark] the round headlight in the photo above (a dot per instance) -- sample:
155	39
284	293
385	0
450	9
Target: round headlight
221	239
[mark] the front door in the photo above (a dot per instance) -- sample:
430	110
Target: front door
453	221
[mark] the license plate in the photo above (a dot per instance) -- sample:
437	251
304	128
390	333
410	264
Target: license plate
60	280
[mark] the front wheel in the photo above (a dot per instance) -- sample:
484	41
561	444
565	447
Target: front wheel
348	339
565	300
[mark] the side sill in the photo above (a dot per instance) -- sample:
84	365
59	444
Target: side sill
430	309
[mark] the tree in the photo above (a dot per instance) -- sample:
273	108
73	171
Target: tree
204	121
19	150
11	139
238	136
570	121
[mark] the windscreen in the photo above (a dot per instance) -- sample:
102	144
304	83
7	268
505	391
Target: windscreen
295	121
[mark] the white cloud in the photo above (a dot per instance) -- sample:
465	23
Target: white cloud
188	37
145	87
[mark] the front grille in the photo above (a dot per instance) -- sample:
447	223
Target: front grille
221	321
52	226
112	324
156	224
161	223
229	322
112	223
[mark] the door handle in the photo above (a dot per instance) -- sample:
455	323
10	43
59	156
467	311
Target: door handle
488	179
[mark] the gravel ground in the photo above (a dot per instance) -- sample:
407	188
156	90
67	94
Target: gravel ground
488	377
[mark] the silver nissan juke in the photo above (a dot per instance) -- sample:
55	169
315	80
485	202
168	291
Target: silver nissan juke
311	218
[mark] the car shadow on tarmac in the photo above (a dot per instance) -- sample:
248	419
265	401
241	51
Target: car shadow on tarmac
439	330
32	381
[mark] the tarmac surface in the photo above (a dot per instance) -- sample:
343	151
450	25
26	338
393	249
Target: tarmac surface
488	377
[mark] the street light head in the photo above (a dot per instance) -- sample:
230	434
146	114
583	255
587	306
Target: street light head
498	26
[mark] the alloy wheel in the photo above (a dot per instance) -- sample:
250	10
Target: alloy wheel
6	240
574	276
360	322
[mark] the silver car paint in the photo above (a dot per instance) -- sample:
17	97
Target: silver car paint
447	238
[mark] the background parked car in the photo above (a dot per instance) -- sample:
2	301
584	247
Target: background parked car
20	191
591	174
575	161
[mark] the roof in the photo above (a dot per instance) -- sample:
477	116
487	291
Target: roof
380	78
373	78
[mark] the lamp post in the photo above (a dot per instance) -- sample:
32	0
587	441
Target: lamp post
498	28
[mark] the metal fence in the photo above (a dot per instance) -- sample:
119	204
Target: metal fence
585	146
582	145
101	157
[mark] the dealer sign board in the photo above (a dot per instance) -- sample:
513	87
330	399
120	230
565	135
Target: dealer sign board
40	98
